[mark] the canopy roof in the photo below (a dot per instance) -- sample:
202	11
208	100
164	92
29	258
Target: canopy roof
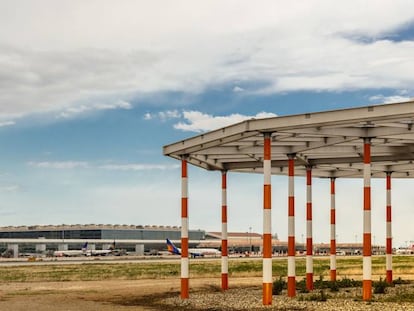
330	141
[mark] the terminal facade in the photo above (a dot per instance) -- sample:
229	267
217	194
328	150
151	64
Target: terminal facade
54	237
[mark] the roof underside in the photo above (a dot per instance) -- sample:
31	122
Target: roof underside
331	142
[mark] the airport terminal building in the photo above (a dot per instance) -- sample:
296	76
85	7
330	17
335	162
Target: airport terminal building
54	237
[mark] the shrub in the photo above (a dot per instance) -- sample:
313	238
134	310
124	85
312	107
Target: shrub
380	286
278	286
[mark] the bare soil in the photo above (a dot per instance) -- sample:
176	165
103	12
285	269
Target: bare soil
96	295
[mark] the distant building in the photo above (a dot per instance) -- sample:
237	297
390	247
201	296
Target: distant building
107	232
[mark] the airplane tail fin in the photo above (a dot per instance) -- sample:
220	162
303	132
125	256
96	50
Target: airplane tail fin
172	248
85	246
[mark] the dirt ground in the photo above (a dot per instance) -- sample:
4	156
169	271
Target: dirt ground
95	295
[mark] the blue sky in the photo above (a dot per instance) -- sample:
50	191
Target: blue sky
91	91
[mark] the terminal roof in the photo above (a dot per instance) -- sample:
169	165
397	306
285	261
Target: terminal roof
331	142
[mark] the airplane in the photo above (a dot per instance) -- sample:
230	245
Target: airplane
72	253
194	252
405	250
103	252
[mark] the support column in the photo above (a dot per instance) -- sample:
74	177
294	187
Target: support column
388	250
309	238
333	231
267	221
367	247
291	229
184	232
224	249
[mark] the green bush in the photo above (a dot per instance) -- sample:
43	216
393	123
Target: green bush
278	286
380	286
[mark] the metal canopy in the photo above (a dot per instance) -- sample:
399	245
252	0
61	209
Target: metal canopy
331	142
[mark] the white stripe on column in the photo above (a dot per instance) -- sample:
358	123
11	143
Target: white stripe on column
267	267
184	227
333	262
267	221
291	266
367	221
184	187
389	261
184	268
309	228
309	264
367	267
291	226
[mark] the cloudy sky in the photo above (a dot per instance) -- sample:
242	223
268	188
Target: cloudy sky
90	91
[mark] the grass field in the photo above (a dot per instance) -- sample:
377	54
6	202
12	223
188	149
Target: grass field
347	267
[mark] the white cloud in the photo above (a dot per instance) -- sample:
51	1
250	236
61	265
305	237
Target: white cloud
148	116
138	167
163	115
44	68
59	164
76	110
112	167
169	114
7	123
237	89
389	99
197	121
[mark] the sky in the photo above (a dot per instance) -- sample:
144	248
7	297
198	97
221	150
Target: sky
90	91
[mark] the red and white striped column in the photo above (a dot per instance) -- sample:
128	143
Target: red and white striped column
291	228
309	241
367	247
224	253
267	222
333	231
184	232
388	250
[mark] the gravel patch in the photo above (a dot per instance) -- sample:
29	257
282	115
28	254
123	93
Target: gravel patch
210	299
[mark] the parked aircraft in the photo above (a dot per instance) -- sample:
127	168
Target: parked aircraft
405	251
194	252
103	252
72	253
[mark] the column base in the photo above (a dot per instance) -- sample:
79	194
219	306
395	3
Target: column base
366	290
267	294
185	288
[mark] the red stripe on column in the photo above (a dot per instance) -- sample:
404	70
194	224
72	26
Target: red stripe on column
266	149
185	288
308	211
224	281
367	198
184	247
291	204
224	214
224	251
184	207
267	240
309	246
291	246
267	195
388	213
367	153
333	217
183	168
